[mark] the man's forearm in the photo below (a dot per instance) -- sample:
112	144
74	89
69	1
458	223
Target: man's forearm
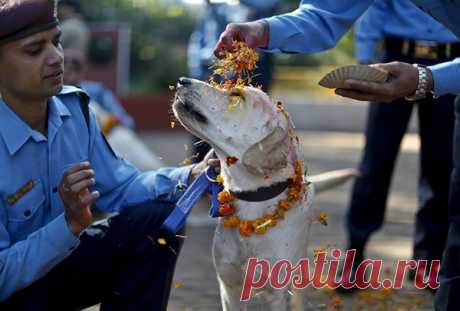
446	77
315	26
26	261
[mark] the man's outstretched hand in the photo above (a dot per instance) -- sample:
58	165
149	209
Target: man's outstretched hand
254	34
209	160
402	81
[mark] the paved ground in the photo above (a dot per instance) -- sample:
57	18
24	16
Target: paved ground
195	283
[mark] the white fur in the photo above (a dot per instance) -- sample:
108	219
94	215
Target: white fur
257	134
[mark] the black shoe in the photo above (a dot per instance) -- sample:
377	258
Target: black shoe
351	276
412	274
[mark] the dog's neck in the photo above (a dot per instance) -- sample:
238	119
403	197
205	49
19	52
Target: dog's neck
238	179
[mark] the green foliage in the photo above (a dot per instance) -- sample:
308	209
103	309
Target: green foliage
159	35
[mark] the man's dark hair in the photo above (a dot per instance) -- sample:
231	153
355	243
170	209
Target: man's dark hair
75	4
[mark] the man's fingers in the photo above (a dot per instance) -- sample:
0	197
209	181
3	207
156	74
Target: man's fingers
78	167
89	198
232	33
82	185
392	67
367	87
78	176
213	162
356	95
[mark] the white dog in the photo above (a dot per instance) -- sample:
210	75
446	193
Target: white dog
259	134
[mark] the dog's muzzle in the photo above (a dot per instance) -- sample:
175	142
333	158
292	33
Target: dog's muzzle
190	109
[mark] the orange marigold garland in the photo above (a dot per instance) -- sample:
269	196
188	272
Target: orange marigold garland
295	191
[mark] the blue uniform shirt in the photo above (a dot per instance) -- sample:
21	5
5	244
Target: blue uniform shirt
319	24
34	236
397	18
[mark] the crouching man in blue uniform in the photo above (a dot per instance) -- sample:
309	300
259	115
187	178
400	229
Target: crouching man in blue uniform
55	166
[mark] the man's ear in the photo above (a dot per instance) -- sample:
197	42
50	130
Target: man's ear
268	155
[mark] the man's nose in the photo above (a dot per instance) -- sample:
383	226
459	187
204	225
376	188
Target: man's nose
56	56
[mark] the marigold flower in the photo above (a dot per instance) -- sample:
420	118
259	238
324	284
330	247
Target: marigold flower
187	161
322	218
242	61
260	226
293	194
280	213
231	160
336	303
246	228
219	180
226	209
172	88
224	197
161	241
284	205
270	220
231	222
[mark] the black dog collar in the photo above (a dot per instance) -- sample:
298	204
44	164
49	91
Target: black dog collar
261	194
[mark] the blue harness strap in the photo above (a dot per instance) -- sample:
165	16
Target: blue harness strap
204	183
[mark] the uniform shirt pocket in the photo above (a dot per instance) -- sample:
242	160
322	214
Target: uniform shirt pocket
25	207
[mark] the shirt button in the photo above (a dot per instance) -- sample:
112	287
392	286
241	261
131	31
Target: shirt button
27	213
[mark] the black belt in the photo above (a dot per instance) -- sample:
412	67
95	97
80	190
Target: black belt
420	49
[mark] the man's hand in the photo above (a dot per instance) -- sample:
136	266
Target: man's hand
74	192
254	34
199	168
402	81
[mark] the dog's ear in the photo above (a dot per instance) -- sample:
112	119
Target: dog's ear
268	155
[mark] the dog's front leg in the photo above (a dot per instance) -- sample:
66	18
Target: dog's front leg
230	297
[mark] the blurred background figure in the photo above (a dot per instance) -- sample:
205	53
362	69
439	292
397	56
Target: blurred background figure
410	36
77	33
75	64
217	15
116	124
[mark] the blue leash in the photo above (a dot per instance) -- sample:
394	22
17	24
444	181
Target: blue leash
206	182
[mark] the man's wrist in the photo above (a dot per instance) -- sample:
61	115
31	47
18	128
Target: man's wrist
424	84
74	227
265	29
430	81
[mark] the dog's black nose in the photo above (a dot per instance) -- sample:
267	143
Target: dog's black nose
184	81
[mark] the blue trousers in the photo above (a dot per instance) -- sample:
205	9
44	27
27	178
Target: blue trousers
116	264
387	124
448	295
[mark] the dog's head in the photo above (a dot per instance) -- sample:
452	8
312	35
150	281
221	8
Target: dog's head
243	122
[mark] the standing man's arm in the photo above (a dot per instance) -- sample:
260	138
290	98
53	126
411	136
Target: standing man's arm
315	26
446	77
369	31
403	81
